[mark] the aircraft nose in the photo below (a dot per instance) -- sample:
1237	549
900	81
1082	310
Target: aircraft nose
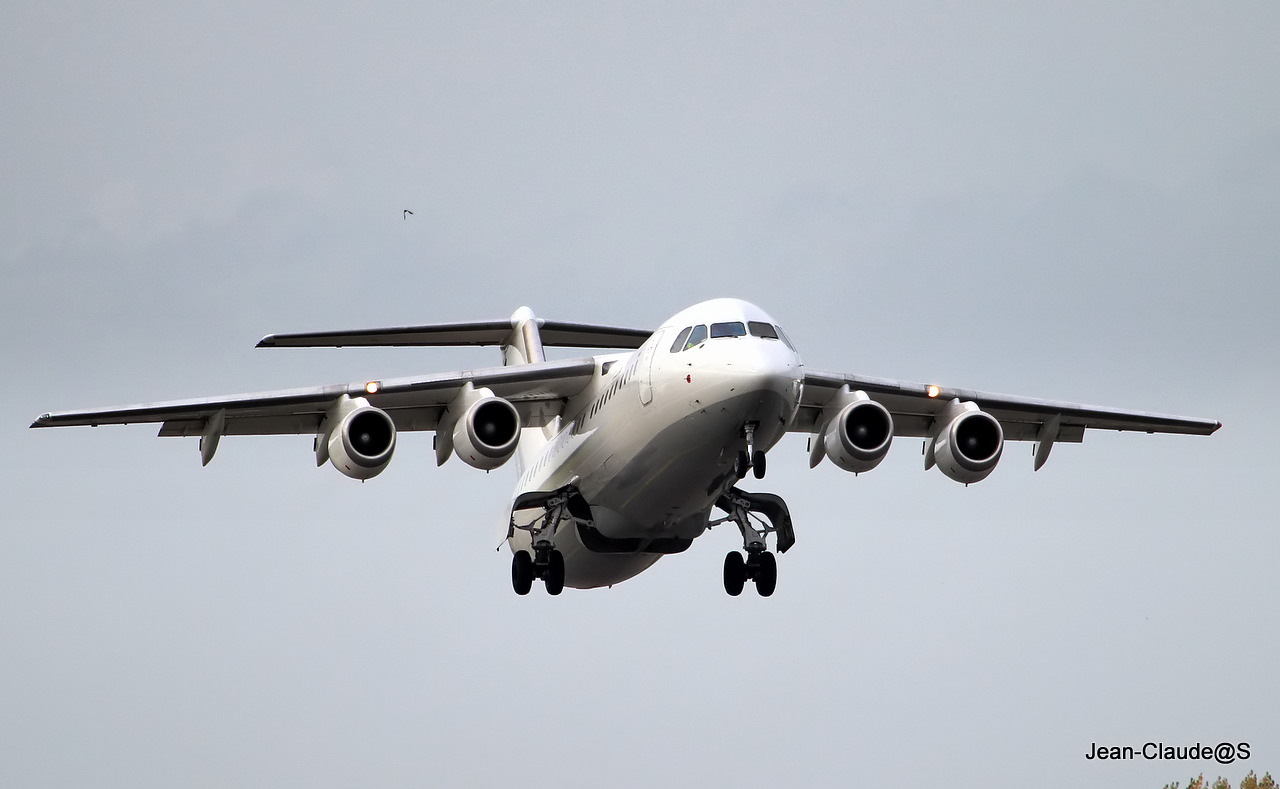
770	366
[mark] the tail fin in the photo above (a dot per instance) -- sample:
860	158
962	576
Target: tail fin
524	344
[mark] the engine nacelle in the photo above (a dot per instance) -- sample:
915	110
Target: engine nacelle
360	438
968	445
486	434
858	437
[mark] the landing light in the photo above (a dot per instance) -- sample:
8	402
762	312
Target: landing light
372	387
933	390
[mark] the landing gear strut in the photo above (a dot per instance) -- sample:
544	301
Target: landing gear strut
757	516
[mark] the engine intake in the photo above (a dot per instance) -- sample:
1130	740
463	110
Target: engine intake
969	444
858	438
360	438
486	435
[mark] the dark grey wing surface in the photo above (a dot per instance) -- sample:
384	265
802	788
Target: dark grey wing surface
553	333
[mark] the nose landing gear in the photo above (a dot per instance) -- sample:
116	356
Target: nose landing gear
750	458
757	516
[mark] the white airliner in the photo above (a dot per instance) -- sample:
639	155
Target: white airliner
626	457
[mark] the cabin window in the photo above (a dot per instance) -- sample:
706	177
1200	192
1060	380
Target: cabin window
604	368
678	345
760	329
731	329
696	337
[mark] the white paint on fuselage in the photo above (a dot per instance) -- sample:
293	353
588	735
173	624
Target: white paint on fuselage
652	443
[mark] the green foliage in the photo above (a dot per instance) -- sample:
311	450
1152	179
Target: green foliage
1250	781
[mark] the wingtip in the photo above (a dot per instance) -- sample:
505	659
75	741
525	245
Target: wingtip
267	342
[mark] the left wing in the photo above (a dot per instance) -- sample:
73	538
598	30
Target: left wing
915	407
536	390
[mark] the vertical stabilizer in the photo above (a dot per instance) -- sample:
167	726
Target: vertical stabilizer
524	345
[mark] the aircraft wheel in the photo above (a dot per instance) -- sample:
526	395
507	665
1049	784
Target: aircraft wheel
757	464
522	572
735	573
767	574
555	573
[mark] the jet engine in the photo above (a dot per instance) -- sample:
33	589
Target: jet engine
486	434
359	440
968	443
858	438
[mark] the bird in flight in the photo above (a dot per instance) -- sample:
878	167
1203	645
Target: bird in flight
407	213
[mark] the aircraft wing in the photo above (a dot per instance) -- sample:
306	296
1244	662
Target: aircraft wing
536	390
913	406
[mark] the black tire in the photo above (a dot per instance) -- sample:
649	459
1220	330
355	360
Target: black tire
522	572
555	573
744	463
735	573
767	574
757	464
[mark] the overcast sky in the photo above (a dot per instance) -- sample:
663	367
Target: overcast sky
1075	203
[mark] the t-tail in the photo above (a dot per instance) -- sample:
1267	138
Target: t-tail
524	346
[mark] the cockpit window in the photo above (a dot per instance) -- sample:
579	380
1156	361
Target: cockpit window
759	329
733	329
783	336
696	337
678	345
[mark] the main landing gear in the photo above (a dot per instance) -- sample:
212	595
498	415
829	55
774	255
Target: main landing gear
757	516
549	566
545	563
760	566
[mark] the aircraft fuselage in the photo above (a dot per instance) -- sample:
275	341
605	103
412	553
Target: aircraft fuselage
654	441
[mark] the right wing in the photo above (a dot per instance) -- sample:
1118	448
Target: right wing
538	392
915	405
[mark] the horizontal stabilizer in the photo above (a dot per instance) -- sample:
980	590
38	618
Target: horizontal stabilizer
554	333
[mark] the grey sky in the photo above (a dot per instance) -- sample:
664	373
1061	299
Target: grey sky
1074	203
